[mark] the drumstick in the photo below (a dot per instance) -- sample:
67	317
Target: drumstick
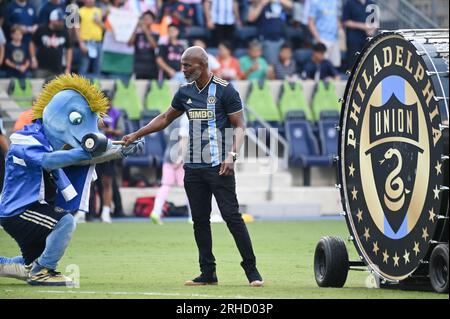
118	142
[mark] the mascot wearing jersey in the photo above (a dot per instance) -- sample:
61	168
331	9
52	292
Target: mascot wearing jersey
49	168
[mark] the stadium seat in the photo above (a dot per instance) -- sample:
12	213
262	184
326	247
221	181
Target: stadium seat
301	56
213	51
325	103
293	101
333	99
261	101
294	35
240	52
195	32
304	150
328	137
21	93
158	97
126	98
245	34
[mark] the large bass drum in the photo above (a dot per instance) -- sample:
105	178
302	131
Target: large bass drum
393	151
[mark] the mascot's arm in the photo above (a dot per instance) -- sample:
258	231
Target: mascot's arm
79	157
116	152
59	159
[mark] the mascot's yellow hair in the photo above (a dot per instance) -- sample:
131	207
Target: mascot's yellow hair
94	97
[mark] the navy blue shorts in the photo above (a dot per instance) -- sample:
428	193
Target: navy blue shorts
31	228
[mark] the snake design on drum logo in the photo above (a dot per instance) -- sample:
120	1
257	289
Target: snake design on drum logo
389	166
394	188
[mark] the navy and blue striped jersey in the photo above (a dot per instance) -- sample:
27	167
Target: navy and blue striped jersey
210	130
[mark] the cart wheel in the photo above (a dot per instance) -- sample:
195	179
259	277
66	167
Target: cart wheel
331	262
439	268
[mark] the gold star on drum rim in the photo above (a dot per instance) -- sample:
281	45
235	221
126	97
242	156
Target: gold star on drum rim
406	257
432	214
385	256
436	191
438	168
354	193
416	248
359	215
396	259
366	233
375	248
352	170
425	233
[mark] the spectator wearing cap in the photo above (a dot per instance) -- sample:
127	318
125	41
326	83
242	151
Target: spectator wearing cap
357	29
319	68
324	25
285	67
253	65
169	56
222	17
270	16
50	43
90	36
23	14
47	8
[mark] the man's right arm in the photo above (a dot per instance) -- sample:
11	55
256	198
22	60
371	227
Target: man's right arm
157	124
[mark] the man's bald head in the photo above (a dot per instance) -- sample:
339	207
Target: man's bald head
194	64
196	54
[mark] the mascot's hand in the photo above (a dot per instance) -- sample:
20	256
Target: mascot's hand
136	147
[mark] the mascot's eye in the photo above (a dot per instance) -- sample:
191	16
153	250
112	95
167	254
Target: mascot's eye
75	118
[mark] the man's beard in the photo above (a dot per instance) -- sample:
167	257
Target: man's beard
194	76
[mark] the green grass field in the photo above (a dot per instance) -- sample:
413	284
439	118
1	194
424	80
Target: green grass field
141	260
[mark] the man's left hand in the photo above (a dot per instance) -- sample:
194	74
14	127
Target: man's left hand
227	167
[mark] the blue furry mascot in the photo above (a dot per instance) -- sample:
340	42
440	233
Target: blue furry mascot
49	168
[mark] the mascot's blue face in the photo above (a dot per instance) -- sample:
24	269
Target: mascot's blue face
67	118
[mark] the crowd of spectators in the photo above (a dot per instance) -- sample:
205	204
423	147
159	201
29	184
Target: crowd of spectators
246	39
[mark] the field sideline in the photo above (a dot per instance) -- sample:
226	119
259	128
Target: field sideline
141	260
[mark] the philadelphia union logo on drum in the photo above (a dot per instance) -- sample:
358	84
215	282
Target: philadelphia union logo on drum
390	170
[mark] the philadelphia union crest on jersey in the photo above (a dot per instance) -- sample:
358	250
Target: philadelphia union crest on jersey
390	165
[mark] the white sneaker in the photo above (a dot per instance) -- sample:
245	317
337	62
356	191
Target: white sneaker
17	271
106	218
80	217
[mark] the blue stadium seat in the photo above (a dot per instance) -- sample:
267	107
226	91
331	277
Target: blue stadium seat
240	52
294	35
302	56
213	51
304	149
328	137
195	32
246	33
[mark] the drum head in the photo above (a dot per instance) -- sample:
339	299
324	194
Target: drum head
390	148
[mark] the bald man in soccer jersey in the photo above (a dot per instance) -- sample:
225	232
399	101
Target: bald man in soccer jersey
214	109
